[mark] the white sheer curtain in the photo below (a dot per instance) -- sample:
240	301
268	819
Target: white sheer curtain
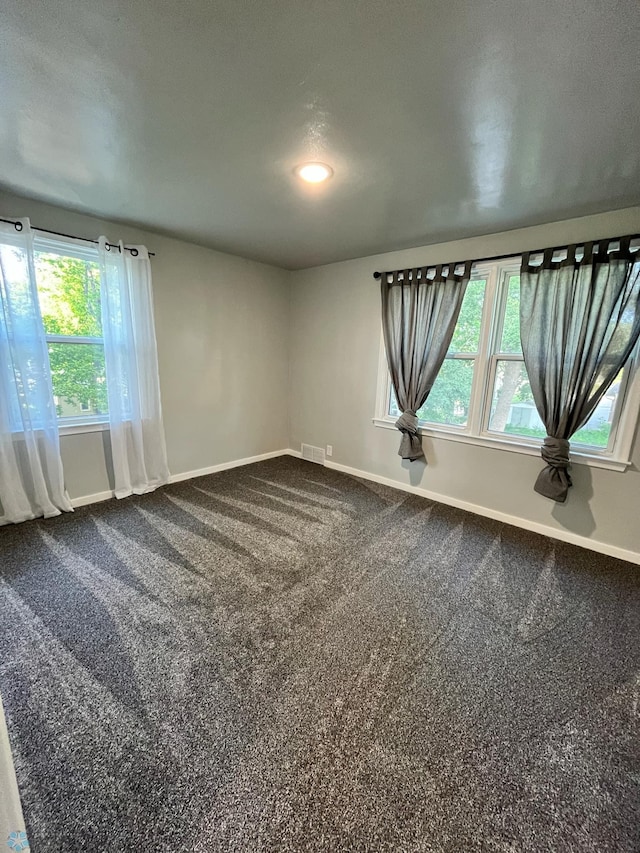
31	478
135	415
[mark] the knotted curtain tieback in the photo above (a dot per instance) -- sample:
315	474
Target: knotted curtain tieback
408	422
555	451
554	480
411	443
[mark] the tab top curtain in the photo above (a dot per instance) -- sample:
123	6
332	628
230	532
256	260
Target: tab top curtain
419	316
31	478
135	414
579	322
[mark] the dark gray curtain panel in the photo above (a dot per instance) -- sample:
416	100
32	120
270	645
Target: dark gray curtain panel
579	322
419	315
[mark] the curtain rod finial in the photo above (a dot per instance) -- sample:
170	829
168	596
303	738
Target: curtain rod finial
377	275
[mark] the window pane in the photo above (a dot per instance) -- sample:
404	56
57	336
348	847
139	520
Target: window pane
510	341
69	295
597	429
79	379
448	402
513	409
394	411
466	336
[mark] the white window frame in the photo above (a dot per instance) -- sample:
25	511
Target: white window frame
69	248
616	456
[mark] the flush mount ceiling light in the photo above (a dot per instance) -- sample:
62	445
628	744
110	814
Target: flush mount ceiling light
314	173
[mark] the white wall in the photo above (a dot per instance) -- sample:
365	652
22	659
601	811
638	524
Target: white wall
222	327
254	359
334	362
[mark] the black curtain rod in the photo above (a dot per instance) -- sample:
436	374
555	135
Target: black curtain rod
519	254
15	224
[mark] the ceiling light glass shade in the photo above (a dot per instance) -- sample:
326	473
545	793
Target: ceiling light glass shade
314	173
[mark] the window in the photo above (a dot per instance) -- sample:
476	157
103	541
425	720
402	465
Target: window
482	393
68	281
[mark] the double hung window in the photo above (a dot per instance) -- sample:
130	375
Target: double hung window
68	282
482	392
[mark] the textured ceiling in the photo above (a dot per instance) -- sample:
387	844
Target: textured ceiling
442	119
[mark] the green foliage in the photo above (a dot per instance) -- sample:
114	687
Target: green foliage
69	294
78	374
466	336
450	396
448	402
594	437
510	340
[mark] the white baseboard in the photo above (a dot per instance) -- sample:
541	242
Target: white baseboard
83	500
224	466
514	520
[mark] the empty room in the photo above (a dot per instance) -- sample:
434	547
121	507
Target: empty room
319	426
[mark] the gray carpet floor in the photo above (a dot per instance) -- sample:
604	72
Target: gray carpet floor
284	658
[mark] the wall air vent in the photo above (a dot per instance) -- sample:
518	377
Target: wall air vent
313	454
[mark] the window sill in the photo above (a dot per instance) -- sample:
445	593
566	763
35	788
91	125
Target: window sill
577	457
77	429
